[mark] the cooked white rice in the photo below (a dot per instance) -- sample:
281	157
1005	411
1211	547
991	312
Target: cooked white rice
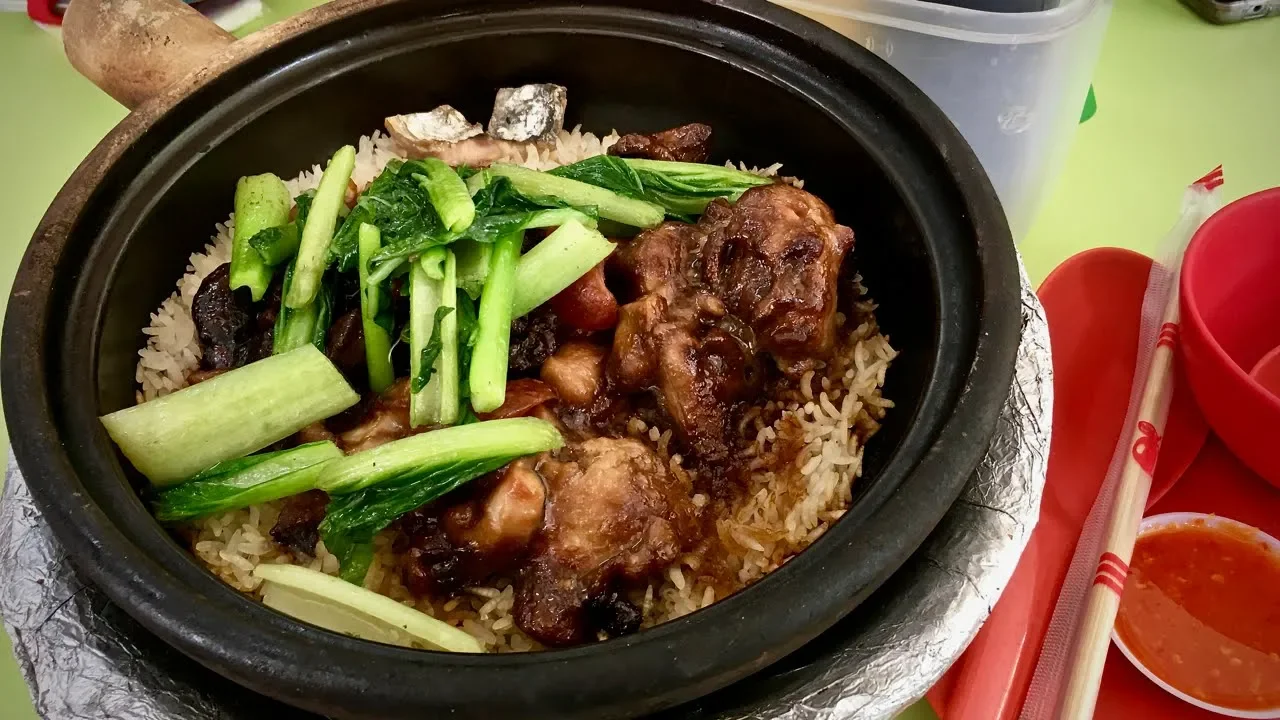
805	455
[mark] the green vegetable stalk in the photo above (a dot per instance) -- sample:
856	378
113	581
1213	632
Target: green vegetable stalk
373	488
489	228
433	342
448	193
239	483
241	411
261	202
428	454
401	208
441	394
317	234
609	204
375	316
276	244
385	270
553	264
280	243
473	265
682	189
488	376
307	326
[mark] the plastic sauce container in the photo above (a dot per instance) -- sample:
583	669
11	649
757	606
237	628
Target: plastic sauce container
1200	614
1014	83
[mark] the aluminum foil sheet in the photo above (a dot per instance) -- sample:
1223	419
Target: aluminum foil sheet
85	659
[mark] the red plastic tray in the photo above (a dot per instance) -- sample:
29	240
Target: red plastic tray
1093	303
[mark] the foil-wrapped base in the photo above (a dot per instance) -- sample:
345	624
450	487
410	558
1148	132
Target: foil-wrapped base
84	659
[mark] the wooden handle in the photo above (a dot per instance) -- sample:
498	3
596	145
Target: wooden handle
1103	601
133	49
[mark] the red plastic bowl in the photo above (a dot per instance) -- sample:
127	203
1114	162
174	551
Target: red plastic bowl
1231	318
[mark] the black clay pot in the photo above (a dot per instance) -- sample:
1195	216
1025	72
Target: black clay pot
932	245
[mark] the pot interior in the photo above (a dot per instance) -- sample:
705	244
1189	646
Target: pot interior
855	146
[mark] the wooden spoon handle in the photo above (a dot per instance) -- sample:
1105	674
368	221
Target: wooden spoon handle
133	49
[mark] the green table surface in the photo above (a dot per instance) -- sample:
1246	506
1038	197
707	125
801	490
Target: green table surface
1176	97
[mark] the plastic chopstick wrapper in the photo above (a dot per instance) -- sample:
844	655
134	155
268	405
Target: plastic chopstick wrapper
83	658
1069	670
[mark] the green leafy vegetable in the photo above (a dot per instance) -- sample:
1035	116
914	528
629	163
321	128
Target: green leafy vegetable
682	189
448	193
442	391
418	456
488	228
352	520
568	191
488	373
430	352
303	202
239	483
261	202
373	488
467	326
169	439
317	233
433	348
309	325
276	244
376	318
473	265
354	556
401	209
553	264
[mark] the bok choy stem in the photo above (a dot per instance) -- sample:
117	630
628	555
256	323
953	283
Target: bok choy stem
473	265
241	411
317	234
236	484
608	204
377	340
442	390
488	376
372	488
308	325
261	202
413	458
433	343
553	264
448	193
424	301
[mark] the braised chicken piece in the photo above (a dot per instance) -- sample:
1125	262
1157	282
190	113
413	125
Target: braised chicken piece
615	515
656	258
384	420
315	432
507	518
687	143
587	304
232	332
679	340
774	258
576	373
449	546
298	527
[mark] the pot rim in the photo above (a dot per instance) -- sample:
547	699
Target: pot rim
98	545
